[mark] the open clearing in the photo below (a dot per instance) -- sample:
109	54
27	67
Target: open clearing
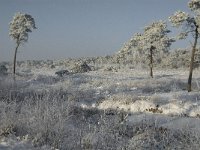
99	109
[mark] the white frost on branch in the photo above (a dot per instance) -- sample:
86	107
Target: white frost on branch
20	26
154	35
194	5
178	18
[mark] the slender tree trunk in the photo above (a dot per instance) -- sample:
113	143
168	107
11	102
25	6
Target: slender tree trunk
192	60
15	56
151	61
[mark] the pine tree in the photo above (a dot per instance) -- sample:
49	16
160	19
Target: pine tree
20	26
190	24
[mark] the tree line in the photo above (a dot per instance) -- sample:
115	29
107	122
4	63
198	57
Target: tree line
153	41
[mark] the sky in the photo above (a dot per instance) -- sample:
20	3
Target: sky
80	28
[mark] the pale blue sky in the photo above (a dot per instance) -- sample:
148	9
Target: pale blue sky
79	28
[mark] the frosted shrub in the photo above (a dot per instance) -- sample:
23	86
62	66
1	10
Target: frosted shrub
150	136
3	70
81	67
40	116
179	58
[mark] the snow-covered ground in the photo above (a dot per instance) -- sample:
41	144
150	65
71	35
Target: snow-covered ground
148	106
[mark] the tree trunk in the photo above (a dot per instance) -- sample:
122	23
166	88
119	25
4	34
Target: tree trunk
151	61
15	56
192	61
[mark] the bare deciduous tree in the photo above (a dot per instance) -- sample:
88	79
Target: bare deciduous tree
20	26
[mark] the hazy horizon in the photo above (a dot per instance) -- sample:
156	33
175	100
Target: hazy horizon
80	28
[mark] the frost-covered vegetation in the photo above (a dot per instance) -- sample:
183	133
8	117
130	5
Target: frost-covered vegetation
112	106
106	102
153	42
190	23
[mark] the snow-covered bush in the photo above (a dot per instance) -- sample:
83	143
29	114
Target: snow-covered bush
178	58
111	68
3	70
81	67
62	73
